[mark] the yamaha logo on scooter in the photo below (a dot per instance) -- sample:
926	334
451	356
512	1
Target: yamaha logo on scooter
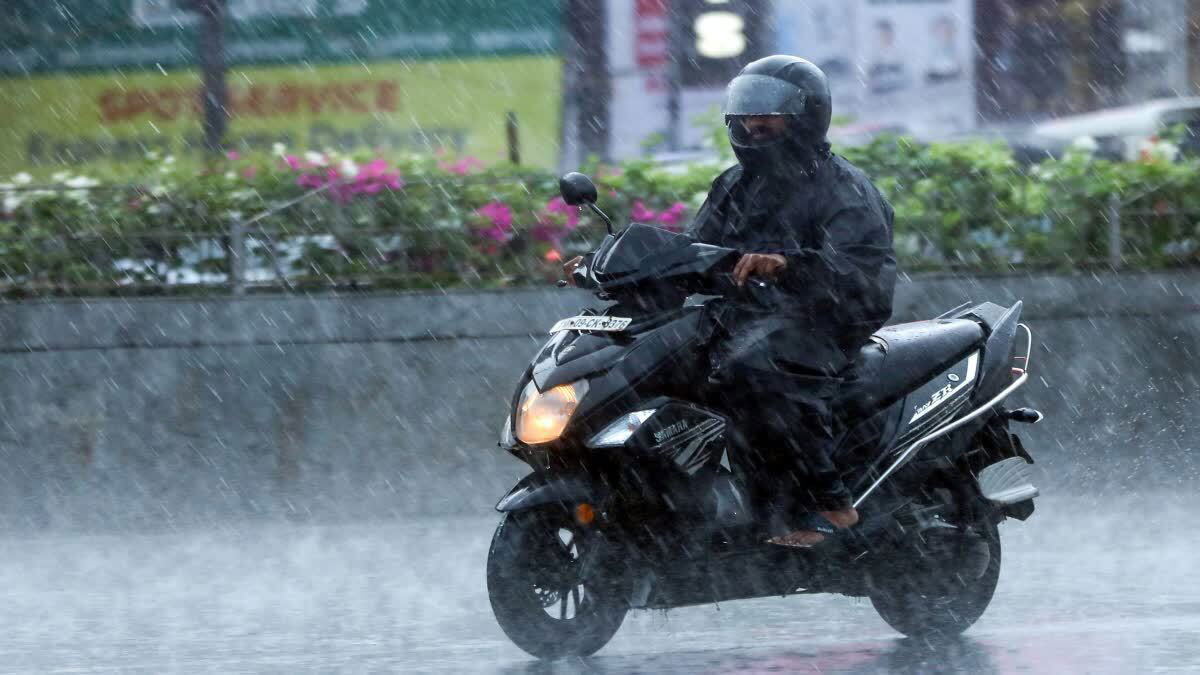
670	431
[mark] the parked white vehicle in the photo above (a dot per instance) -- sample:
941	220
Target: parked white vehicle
1125	131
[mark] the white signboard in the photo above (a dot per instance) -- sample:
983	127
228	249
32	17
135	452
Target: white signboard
638	52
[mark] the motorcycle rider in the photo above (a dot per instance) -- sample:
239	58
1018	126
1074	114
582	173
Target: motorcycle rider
818	227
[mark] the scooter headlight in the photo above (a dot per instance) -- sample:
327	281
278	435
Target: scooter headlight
543	415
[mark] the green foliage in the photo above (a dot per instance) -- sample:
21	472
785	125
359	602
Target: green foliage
712	122
420	221
972	205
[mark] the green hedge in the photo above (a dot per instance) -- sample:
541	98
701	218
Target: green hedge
422	221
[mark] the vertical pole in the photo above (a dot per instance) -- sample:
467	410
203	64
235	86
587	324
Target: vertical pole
1115	245
237	257
211	54
675	55
269	243
587	24
514	138
31	244
1193	47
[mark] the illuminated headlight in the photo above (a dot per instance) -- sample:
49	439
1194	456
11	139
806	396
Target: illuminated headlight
619	431
543	415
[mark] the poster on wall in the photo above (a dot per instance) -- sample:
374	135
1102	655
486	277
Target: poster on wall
817	30
639	54
903	65
916	60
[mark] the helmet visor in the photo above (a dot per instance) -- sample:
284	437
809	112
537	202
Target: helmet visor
762	95
756	130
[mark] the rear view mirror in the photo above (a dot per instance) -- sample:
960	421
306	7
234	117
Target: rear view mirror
577	189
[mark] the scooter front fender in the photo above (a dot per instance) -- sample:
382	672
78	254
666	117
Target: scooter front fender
538	489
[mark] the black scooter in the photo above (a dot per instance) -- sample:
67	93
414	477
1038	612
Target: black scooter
636	500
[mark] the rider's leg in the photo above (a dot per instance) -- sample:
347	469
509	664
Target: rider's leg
786	424
797	422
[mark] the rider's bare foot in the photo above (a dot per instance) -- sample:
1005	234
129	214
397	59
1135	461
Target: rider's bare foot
799	539
840	519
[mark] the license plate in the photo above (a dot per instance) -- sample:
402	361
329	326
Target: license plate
603	323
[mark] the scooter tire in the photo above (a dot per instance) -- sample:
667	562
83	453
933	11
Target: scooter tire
517	561
924	603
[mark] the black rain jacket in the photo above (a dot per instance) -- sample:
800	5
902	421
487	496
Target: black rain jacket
835	230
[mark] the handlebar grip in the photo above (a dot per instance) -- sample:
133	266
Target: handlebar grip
726	279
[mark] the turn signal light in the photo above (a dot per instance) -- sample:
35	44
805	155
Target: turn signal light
585	514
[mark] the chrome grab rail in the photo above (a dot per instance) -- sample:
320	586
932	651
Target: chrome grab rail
943	430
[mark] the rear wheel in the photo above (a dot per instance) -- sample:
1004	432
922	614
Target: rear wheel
544	599
942	585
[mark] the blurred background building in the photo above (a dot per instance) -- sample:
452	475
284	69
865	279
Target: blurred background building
104	80
1043	57
931	68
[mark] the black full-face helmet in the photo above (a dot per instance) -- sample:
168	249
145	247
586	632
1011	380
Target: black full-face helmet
778	85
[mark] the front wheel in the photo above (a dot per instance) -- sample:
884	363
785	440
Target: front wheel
547	588
941	586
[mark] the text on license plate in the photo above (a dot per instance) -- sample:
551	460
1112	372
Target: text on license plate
607	323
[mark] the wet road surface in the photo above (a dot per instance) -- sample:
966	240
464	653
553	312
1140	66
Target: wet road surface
1082	590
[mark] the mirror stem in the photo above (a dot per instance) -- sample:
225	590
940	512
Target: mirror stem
596	209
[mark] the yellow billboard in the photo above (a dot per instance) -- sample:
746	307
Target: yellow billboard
117	117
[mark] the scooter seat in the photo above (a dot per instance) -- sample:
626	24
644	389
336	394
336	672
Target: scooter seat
901	358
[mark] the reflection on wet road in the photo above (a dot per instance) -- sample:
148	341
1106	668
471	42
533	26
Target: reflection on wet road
1073	597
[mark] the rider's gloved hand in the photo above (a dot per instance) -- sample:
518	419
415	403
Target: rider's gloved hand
758	264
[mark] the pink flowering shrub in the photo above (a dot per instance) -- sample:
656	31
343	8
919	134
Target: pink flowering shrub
461	167
433	220
500	220
555	221
371	178
375	177
640	214
417	220
670	218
